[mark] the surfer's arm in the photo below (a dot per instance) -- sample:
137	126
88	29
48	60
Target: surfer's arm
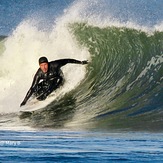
31	90
63	62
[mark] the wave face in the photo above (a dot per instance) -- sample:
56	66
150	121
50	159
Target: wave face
124	84
121	88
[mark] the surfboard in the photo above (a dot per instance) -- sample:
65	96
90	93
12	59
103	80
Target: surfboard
27	110
34	105
31	106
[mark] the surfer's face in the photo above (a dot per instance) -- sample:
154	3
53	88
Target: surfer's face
44	67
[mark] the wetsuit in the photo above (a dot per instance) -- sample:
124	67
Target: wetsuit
44	83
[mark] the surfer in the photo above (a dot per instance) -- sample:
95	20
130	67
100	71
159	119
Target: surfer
48	78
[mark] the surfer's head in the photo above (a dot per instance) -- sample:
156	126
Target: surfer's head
42	60
43	63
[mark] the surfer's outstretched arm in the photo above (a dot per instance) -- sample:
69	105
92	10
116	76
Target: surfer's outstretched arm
62	62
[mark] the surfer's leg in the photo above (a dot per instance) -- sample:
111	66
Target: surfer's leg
49	88
46	92
42	97
39	89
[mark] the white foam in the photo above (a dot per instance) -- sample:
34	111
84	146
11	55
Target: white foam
19	62
159	27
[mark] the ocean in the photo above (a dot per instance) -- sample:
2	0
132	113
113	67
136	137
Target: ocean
111	109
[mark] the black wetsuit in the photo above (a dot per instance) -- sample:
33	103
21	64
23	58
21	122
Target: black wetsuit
44	83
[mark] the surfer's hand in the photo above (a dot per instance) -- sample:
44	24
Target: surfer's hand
23	103
84	62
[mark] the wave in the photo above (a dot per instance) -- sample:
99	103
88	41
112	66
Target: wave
123	84
124	80
120	88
